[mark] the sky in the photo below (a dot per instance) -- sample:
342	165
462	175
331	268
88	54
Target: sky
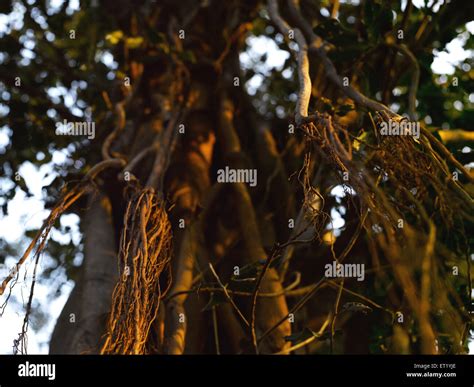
28	213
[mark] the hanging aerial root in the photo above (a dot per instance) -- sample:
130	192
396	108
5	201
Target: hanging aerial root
144	253
408	191
68	198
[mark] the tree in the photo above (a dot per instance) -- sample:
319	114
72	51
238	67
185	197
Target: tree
178	259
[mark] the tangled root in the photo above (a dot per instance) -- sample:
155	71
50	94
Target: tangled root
410	202
144	253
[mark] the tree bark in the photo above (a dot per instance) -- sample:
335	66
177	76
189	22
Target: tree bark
82	321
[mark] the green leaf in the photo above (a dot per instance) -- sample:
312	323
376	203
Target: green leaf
164	47
364	137
134	42
188	56
114	37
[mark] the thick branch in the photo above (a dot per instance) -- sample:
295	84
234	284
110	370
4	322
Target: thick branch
304	93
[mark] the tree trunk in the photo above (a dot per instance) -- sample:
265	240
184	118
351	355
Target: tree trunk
82	321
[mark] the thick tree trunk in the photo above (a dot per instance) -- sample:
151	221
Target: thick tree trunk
82	321
214	32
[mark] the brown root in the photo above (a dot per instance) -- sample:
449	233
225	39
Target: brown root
144	254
